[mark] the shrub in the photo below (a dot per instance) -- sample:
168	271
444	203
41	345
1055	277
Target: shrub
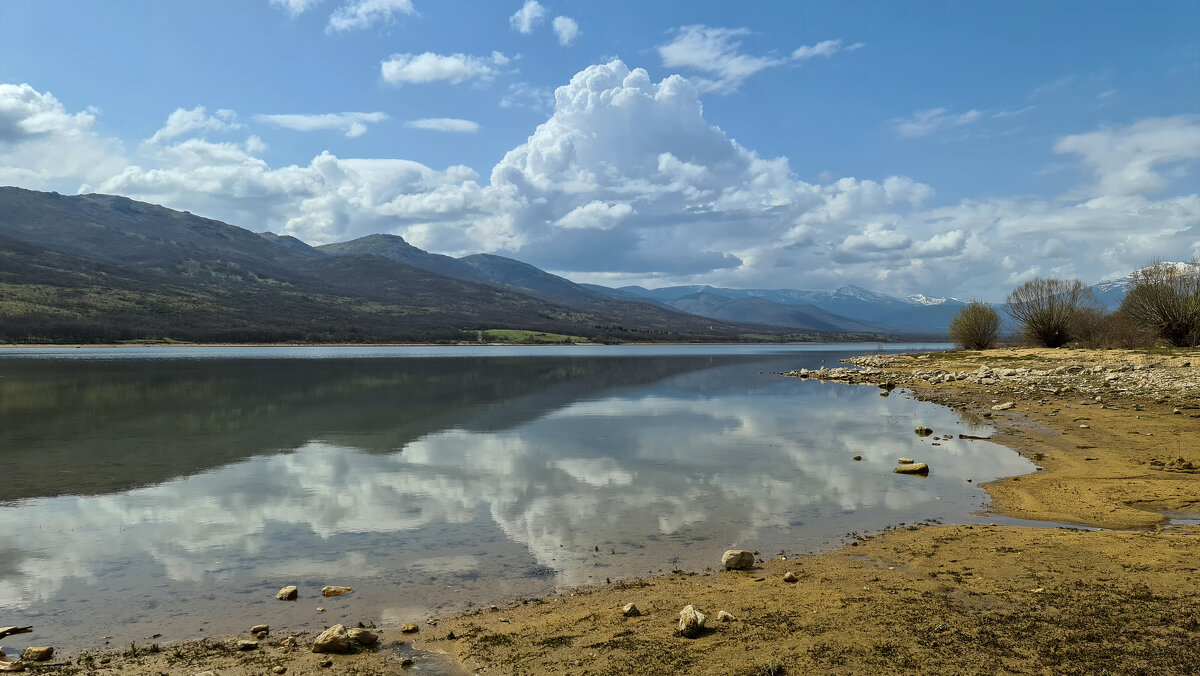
976	326
1164	298
1047	309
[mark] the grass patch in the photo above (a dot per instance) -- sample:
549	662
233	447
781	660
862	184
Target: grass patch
527	337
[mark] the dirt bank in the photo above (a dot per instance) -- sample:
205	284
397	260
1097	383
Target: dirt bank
928	599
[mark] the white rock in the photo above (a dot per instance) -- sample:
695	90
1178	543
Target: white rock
691	622
1003	407
333	640
737	559
631	610
725	617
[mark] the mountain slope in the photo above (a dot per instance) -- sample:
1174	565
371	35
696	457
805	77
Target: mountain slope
395	248
99	267
762	311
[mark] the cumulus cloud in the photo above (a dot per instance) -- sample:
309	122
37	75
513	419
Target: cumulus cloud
626	182
823	48
350	124
360	14
528	17
926	122
716	52
1139	159
429	67
43	146
184	121
566	29
449	124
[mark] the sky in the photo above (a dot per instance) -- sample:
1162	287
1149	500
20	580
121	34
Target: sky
945	148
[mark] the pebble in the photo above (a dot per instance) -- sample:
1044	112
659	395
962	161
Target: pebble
259	628
630	610
335	591
915	468
279	669
905	461
725	617
790	577
245	644
409	628
1004	407
288	593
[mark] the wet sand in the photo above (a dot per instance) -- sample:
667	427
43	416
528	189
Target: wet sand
1119	593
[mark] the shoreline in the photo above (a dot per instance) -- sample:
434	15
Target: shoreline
942	599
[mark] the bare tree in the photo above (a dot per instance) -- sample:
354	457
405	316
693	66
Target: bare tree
1165	298
976	326
1046	308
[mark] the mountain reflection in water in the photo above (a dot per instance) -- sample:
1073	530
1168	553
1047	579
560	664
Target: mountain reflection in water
146	497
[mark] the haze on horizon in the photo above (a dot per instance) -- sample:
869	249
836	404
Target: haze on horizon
951	149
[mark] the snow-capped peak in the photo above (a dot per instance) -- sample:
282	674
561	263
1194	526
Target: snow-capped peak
922	299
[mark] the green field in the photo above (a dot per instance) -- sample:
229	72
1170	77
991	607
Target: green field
526	337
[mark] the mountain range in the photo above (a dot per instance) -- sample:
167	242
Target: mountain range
89	268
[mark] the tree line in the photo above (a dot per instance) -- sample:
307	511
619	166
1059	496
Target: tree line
1161	305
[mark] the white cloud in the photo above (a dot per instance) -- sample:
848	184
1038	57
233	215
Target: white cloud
926	122
626	182
1141	158
597	215
43	146
715	51
359	14
499	59
528	17
566	29
296	7
430	67
449	124
184	121
350	124
825	48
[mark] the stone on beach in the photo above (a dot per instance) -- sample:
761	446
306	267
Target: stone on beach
259	628
691	622
923	431
245	644
362	636
631	610
905	461
335	591
409	628
724	616
333	640
790	577
37	653
288	593
737	559
1003	407
915	468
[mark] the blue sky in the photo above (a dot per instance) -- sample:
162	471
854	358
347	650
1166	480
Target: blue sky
945	148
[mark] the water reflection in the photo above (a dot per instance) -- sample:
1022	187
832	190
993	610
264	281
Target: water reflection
421	481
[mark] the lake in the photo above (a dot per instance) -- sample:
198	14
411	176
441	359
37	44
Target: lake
168	493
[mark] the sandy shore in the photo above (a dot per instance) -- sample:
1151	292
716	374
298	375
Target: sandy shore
1119	594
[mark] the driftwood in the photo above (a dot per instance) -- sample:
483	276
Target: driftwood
972	436
12	666
9	631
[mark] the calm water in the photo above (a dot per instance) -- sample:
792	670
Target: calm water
173	491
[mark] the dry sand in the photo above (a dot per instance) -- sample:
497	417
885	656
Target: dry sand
1122	599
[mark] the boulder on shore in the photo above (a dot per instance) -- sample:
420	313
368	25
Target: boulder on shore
737	559
691	622
288	593
333	640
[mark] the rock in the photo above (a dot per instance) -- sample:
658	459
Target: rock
409	628
279	669
1003	407
406	663
905	461
245	644
691	622
261	635
1177	412
332	640
37	653
915	468
288	593
923	431
737	559
325	664
204	673
259	628
335	591
631	610
362	636
725	617
857	458
1085	427
790	577
288	642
